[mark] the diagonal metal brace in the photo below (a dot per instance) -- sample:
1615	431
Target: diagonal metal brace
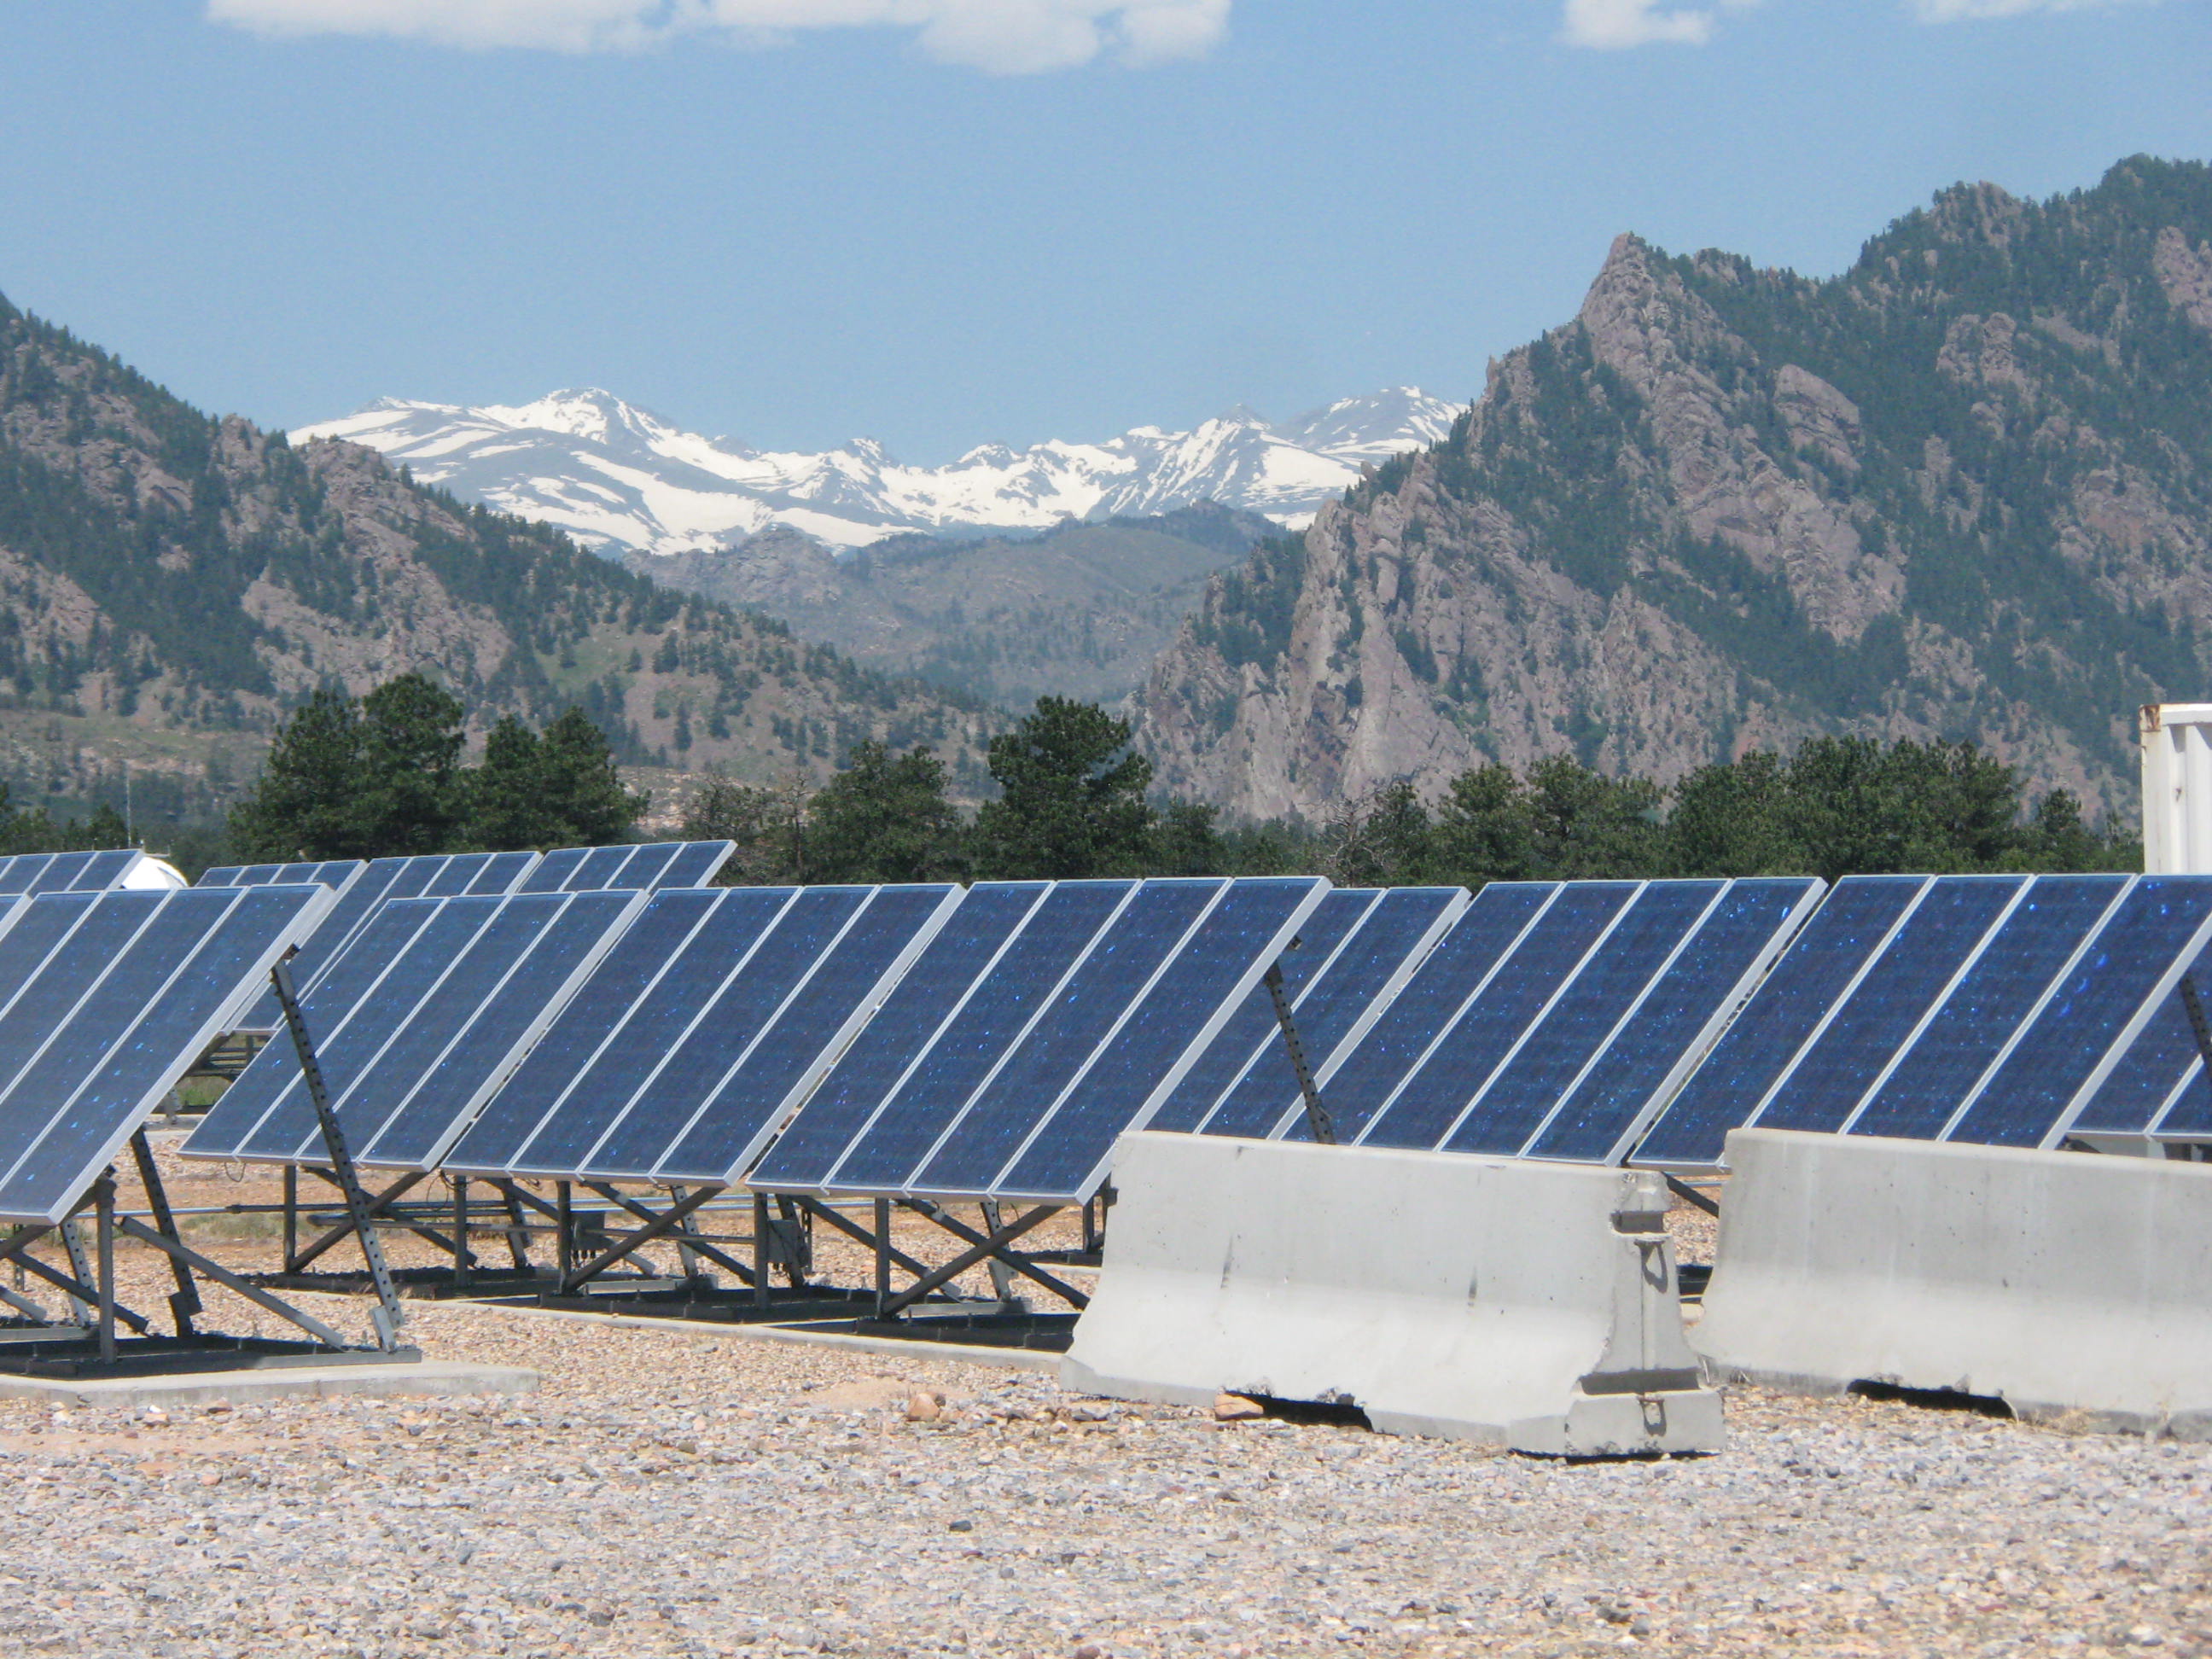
387	1316
1014	1259
860	1235
663	1224
960	1264
12	1248
646	1213
380	1203
230	1281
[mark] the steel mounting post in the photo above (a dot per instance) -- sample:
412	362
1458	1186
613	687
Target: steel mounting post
1318	1117
387	1316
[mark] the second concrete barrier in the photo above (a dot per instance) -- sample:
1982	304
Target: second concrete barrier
2067	1284
1498	1300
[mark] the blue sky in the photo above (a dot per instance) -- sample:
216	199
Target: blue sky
943	223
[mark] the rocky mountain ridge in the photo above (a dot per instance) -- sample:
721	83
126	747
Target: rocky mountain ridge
1962	489
620	479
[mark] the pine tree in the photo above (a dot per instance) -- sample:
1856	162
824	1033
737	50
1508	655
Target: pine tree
506	801
883	819
412	797
1073	797
582	792
305	805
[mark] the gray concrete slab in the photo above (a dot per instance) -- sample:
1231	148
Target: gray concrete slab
966	1353
423	1377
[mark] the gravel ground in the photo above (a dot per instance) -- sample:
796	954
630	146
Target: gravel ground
684	1493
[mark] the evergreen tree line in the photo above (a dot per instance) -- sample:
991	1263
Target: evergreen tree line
381	775
1074	802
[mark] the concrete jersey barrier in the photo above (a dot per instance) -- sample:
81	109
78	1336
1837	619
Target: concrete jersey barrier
1501	1301
2066	1284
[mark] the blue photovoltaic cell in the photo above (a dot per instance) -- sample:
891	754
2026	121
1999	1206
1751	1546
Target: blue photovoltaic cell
2032	1088
102	871
2128	1100
334	872
1835	1071
553	870
986	1025
504	873
150	1046
1000	1115
64	874
1600	1119
647	866
100	933
1776	1023
1482	1038
613	1039
1068	1154
600	866
17	871
434	1103
1356	1083
1934	1076
31	931
1403	922
741	1010
1254	1027
352	1047
789	1053
697	863
383	878
1573	1030
805	1156
648	947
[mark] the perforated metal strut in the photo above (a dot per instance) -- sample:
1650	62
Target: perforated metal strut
386	1316
1318	1117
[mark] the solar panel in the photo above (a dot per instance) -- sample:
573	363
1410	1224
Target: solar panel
2005	1011
1786	1012
331	873
425	875
1559	1037
126	990
1080	1011
417	1024
715	1016
870	1073
1331	984
648	866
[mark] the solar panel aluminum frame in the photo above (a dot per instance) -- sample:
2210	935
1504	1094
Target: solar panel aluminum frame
864	1009
1086	1189
311	912
520	1168
1446	919
1708	1034
922	1050
364	1137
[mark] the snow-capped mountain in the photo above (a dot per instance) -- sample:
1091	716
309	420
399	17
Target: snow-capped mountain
619	478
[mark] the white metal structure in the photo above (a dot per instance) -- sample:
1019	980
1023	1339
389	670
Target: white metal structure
2176	789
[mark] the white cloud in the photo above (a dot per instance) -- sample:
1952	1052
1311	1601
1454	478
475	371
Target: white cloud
1004	37
1616	23
1960	11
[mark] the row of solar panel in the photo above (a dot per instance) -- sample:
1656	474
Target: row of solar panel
2001	1010
362	888
995	1041
65	872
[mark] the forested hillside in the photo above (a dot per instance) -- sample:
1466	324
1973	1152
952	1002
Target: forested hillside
1962	491
171	583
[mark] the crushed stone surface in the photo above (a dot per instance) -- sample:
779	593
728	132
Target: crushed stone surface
677	1492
